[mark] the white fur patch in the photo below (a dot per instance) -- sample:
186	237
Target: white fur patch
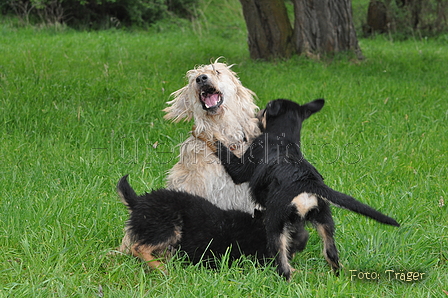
304	203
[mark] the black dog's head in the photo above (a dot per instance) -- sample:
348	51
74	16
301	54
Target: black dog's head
284	113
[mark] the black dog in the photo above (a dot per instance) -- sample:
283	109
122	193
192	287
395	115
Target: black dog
288	186
164	220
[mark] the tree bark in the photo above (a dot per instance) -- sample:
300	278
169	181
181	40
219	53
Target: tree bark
269	29
324	26
377	17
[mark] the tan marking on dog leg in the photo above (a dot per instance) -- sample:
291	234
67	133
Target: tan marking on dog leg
145	252
304	202
328	245
285	239
152	253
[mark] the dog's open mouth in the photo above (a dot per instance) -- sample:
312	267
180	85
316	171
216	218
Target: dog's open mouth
211	99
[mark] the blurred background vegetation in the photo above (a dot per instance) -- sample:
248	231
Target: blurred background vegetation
403	18
97	14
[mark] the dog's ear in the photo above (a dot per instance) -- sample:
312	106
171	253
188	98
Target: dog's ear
180	106
258	214
245	96
274	107
313	107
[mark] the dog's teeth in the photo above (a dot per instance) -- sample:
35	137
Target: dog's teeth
206	105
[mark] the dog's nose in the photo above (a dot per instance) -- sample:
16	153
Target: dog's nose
202	79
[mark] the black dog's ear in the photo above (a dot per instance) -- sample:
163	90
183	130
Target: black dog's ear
258	214
273	108
313	106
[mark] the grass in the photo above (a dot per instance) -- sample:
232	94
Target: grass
80	109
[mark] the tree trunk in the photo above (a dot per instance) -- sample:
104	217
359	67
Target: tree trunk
377	18
324	26
269	29
414	7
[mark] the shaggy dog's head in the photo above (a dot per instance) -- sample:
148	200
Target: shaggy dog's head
212	91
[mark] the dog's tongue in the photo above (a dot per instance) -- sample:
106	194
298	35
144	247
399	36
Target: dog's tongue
211	100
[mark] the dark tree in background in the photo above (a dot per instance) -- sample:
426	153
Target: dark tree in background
407	17
320	27
97	14
414	7
311	27
269	30
377	18
324	27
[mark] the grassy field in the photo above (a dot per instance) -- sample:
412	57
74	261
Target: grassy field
80	109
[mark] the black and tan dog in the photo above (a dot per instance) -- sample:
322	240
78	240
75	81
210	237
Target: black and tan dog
288	186
164	220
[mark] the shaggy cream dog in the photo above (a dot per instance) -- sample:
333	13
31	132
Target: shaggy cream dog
222	109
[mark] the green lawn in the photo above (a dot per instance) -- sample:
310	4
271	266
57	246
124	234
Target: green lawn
80	109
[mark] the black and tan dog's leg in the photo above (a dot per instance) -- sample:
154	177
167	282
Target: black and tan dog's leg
330	251
279	245
299	237
146	253
278	234
324	225
240	169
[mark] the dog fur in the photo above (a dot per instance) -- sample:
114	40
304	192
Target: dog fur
232	122
288	186
166	220
229	118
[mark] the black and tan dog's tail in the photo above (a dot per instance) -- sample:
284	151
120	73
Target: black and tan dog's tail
126	193
345	201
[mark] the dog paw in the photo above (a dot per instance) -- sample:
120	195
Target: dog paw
221	152
220	146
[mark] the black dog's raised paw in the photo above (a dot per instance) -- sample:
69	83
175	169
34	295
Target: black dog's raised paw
222	152
218	145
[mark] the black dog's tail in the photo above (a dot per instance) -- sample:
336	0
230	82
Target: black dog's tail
126	193
345	201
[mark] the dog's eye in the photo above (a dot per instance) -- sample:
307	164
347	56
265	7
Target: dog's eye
217	72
